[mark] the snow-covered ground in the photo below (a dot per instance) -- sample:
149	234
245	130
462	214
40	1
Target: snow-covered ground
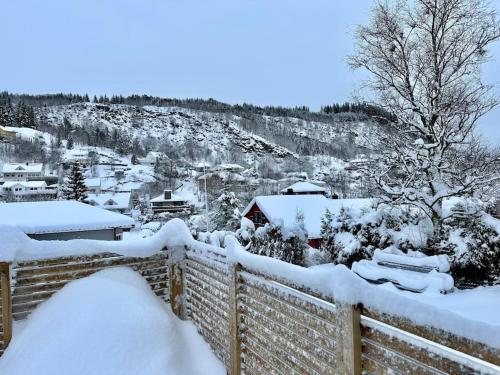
110	323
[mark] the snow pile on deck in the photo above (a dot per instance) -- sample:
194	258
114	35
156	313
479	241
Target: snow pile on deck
109	323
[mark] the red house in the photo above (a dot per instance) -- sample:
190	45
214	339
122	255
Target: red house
283	209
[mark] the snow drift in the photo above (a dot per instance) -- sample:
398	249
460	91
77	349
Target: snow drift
108	323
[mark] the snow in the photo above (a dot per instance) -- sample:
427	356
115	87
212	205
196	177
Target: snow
161	198
432	282
17	246
26	184
59	216
284	208
108	323
413	258
304	187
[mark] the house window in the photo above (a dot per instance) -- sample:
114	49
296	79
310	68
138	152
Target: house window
258	218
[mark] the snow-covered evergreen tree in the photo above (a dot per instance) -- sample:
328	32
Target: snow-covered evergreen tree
327	232
74	187
225	214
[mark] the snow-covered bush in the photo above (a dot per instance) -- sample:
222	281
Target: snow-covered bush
350	237
287	244
225	213
471	239
246	231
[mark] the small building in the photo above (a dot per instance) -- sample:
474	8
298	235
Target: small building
22	171
168	202
93	185
64	220
23	190
303	188
116	202
234	168
283	209
152	157
201	167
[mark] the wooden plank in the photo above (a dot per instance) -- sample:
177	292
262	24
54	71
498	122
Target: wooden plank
234	326
6	303
178	257
448	339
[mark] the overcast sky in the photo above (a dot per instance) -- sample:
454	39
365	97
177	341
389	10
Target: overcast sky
276	52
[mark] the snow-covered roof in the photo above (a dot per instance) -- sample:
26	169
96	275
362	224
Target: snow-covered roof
174	198
230	167
28	184
22	167
284	208
304	187
60	216
116	201
94	181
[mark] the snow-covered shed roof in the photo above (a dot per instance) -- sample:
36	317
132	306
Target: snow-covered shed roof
304	187
284	209
60	216
117	201
22	167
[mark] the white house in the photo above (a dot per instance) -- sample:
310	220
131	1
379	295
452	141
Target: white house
22	171
64	220
168	202
303	188
117	202
152	157
26	190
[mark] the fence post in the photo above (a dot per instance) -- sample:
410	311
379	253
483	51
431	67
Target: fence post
234	326
177	262
350	338
6	303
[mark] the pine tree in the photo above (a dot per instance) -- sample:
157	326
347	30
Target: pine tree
70	144
134	160
327	232
74	187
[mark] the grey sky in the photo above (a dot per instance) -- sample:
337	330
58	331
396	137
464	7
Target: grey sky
277	52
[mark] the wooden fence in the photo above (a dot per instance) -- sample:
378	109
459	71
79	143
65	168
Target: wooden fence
257	324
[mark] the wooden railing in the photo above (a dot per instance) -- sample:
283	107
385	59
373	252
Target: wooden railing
257	323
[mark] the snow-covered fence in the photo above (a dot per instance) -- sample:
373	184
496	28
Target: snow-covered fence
261	315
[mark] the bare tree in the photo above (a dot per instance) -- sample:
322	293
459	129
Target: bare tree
424	59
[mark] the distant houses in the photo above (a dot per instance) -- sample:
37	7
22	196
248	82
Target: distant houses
64	220
168	202
26	182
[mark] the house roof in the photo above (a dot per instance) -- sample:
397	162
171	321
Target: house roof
304	187
22	167
94	181
60	216
115	201
28	184
284	208
161	198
